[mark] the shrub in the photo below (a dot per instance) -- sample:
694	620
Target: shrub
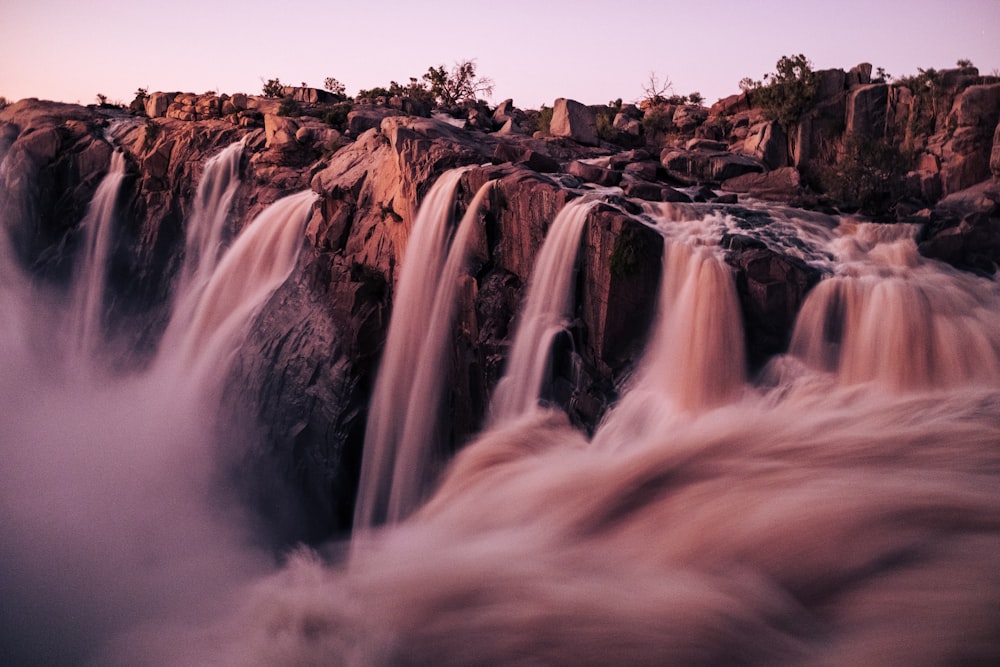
462	84
605	125
926	88
785	94
337	115
334	86
543	120
138	105
272	88
289	107
657	120
868	176
373	93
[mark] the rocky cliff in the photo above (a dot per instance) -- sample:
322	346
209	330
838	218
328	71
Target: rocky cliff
309	363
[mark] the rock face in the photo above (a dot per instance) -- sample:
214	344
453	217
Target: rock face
575	121
310	362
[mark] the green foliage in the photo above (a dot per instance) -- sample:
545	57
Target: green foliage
881	76
415	89
373	93
657	119
461	84
272	88
544	119
102	99
337	114
964	63
138	105
867	176
926	89
289	107
605	124
785	94
3	102
334	86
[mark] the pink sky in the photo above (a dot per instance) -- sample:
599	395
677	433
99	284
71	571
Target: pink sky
534	51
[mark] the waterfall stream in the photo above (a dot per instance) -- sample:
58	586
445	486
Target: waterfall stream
545	314
403	415
840	507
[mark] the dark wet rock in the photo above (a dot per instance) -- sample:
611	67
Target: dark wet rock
771	288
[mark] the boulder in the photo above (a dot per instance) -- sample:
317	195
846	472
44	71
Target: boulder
627	125
829	83
307	95
158	103
503	112
867	106
771	288
777	185
689	116
859	75
768	143
729	105
705	144
699	166
279	131
575	121
593	174
972	245
366	117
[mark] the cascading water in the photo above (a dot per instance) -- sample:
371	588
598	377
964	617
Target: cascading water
810	518
891	317
695	358
98	227
550	291
402	421
116	526
204	239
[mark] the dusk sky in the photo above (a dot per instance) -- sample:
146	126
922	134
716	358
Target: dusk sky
534	51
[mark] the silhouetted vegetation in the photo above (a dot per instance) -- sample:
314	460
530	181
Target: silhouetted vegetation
272	88
785	94
867	176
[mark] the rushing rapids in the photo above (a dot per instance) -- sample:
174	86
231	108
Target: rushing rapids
840	507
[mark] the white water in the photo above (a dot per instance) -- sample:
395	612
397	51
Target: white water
892	317
87	304
396	461
545	315
119	534
806	521
204	239
844	512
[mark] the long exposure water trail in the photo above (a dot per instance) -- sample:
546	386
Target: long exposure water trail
426	252
98	227
843	508
550	291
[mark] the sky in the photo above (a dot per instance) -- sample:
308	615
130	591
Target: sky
535	51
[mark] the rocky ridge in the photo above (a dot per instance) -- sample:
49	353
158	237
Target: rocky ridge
311	357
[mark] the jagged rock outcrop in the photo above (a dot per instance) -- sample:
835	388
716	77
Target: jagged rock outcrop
310	361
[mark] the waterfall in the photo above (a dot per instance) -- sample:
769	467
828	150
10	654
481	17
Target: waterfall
257	263
402	417
204	242
695	358
891	317
843	508
88	297
114	514
547	306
